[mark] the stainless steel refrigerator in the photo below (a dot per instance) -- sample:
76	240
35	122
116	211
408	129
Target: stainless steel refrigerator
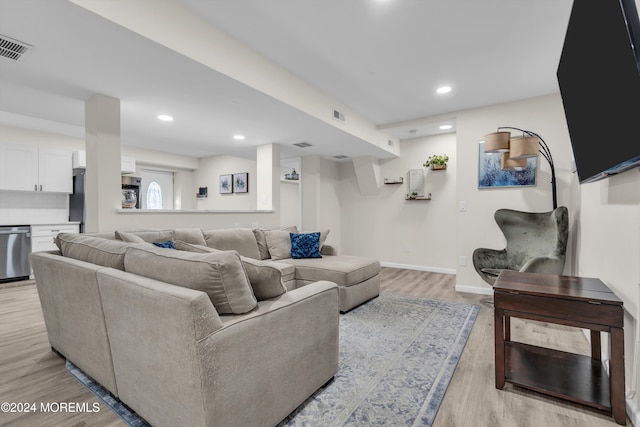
76	200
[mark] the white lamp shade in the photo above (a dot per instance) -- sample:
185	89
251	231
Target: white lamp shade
523	148
496	142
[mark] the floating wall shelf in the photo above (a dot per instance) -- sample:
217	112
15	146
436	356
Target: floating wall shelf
391	182
428	197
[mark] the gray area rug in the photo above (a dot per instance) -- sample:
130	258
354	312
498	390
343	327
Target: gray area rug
397	357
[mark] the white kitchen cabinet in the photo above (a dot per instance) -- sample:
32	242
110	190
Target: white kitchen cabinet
54	171
43	236
128	165
18	167
27	168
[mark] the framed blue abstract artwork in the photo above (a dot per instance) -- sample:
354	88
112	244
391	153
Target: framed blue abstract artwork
491	175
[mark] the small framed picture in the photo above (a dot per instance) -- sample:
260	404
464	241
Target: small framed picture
226	184
241	182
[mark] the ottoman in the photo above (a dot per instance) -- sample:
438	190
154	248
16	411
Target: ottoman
358	278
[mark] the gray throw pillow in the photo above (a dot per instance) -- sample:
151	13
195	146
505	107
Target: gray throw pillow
262	240
279	244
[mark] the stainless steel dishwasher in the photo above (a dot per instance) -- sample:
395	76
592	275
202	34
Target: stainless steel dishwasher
15	247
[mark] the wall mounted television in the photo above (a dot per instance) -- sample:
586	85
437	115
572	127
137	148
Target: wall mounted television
599	79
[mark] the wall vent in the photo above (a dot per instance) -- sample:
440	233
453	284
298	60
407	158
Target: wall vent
303	144
338	115
13	49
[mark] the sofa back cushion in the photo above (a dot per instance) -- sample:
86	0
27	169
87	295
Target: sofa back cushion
219	274
150	235
265	278
189	235
96	250
233	239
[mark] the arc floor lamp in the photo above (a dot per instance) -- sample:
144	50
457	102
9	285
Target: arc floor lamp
516	151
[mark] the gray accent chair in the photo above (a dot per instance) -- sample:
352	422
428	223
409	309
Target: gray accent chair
536	243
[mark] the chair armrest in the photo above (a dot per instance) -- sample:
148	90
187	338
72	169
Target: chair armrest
491	259
544	265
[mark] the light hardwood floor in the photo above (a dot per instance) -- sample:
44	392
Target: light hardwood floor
30	372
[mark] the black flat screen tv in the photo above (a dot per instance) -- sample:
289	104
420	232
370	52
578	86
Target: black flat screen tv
599	79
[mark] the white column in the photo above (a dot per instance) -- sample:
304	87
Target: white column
103	178
268	179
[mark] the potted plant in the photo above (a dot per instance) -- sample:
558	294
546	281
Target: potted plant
437	162
413	195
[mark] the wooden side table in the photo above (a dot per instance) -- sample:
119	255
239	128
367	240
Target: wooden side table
573	301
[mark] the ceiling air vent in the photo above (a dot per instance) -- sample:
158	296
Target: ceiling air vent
302	144
338	115
340	157
13	49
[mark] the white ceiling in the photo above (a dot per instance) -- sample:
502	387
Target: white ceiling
381	58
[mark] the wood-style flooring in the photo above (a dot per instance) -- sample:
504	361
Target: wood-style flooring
31	373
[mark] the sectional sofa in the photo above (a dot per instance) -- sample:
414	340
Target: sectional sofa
202	335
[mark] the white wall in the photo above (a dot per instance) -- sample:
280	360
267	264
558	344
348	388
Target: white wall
321	183
419	234
208	175
606	237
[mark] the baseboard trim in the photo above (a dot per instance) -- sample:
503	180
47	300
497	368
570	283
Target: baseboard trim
419	268
470	289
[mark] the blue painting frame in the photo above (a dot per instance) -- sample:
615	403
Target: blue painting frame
491	175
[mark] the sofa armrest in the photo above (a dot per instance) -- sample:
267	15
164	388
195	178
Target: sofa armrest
72	310
273	358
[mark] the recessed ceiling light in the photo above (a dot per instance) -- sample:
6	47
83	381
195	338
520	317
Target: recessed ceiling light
165	118
445	127
238	137
444	89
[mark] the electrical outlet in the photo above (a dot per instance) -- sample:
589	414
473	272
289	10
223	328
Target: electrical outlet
462	260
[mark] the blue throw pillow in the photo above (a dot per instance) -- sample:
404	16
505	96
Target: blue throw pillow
305	245
168	244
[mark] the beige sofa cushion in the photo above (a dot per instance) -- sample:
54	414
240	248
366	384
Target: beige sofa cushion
345	270
262	240
265	277
96	250
279	242
233	239
149	235
189	235
220	275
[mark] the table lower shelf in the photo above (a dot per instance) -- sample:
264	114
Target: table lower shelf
569	376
